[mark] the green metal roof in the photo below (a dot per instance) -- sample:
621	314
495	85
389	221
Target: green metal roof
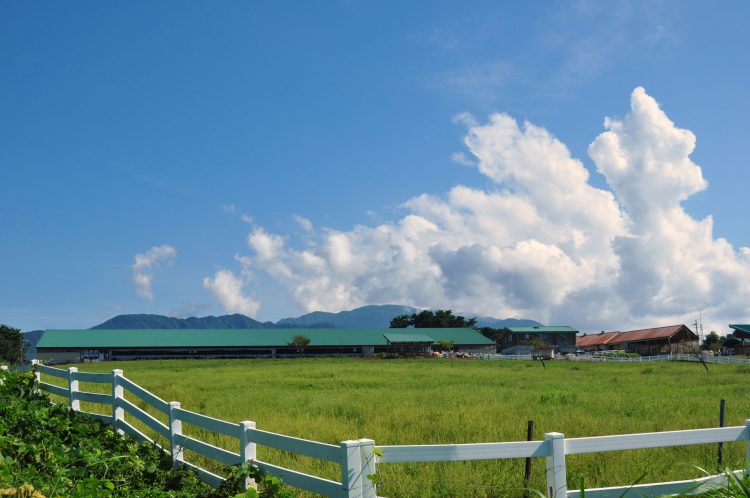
459	336
394	338
544	329
155	338
744	330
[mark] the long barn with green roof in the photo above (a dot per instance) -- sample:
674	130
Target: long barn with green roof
62	346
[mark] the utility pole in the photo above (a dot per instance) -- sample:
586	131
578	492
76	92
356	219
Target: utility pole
699	328
695	324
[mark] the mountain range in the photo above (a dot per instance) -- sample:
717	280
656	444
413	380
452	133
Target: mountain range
32	337
372	316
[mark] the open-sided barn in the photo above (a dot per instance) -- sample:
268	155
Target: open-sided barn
674	339
57	346
738	342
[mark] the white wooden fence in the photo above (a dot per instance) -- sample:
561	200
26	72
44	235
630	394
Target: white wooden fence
358	458
555	447
725	360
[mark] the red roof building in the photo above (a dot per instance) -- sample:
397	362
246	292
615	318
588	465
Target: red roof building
672	339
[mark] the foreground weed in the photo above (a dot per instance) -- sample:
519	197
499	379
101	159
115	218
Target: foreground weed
736	486
49	450
25	491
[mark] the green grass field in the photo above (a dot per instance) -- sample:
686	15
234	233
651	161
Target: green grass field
435	401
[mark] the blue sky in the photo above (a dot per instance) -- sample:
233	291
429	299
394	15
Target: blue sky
253	155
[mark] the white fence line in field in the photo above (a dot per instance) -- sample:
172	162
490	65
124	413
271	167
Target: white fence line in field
358	458
604	358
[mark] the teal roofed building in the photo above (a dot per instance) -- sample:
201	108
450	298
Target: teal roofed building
70	346
738	342
547	339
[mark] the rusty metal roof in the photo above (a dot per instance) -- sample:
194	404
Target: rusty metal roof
599	339
604	338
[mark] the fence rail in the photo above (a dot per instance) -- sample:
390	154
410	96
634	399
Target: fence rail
454	452
655	440
605	358
358	458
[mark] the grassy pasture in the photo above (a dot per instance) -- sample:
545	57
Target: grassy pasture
438	401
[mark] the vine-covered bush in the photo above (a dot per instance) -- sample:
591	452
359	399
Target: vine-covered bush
52	451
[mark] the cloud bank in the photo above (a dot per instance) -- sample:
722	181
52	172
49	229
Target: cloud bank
541	243
228	289
144	265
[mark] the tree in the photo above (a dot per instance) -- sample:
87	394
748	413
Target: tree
713	341
299	342
13	345
500	336
400	322
538	344
446	344
427	319
446	319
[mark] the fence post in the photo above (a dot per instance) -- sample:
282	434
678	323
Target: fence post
747	448
722	406
175	429
75	404
247	450
368	459
118	413
37	373
557	486
351	469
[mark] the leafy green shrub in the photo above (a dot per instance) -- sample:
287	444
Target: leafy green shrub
617	354
268	486
62	453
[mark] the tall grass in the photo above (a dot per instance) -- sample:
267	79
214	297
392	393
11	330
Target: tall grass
437	401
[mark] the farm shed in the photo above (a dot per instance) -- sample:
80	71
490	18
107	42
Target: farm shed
738	342
58	346
409	344
558	338
671	339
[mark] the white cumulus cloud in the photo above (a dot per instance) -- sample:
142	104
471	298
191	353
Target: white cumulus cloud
542	242
144	265
228	289
669	262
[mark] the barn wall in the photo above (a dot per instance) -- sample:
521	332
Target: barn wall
53	357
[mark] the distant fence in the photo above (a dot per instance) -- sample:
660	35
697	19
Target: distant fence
716	359
358	458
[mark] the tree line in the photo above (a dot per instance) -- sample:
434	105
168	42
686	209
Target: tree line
442	319
427	319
